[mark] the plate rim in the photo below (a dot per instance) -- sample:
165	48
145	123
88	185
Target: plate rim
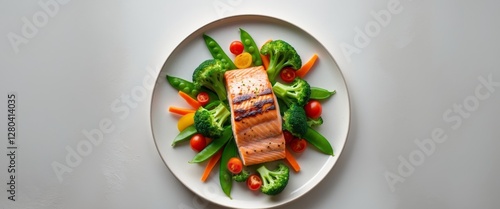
235	18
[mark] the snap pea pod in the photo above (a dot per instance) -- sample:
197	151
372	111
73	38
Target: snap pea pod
183	85
184	135
213	147
251	47
320	93
217	52
189	88
225	176
319	141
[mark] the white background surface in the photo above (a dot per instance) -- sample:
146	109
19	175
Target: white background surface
89	57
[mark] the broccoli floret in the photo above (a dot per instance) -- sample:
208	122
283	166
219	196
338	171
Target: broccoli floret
210	74
299	91
242	176
314	122
275	181
281	54
209	122
295	120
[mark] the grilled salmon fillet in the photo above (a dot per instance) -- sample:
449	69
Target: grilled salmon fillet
255	116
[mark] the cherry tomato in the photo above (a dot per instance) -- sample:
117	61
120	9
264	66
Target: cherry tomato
198	142
236	47
288	136
234	165
203	98
243	60
254	182
313	109
287	74
298	145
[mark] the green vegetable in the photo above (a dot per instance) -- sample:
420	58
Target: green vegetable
241	177
250	47
314	122
209	122
281	54
282	106
320	93
319	141
275	181
295	120
185	135
189	87
225	176
297	92
183	85
214	146
218	53
210	74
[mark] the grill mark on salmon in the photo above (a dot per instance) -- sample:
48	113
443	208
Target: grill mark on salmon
255	117
240	114
246	97
242	98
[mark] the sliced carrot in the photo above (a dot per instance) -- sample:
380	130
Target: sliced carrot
265	61
307	66
190	100
210	165
180	110
291	160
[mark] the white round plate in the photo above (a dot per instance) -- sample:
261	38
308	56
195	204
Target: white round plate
191	52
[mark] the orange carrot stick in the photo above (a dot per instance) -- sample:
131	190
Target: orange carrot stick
180	110
265	61
291	160
190	100
307	66
210	165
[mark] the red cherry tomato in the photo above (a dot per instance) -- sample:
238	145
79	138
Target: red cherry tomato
234	165
287	74
288	136
254	182
298	145
198	142
203	98
313	109
236	47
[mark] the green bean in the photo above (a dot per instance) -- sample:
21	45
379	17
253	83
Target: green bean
320	93
217	52
225	176
319	141
184	135
214	147
251	47
183	85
